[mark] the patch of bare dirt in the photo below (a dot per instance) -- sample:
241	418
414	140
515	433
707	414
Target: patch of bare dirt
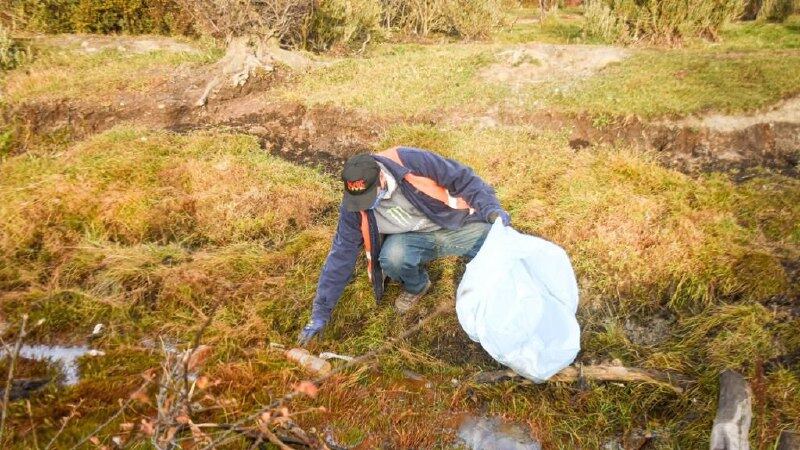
787	111
321	135
93	43
539	63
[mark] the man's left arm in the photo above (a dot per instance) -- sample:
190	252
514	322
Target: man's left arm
459	180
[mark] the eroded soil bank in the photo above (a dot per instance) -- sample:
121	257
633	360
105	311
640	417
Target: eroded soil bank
328	134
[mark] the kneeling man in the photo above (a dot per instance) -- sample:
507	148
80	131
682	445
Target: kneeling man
406	207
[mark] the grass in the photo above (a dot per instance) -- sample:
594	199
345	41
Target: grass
71	73
654	84
750	36
403	80
644	240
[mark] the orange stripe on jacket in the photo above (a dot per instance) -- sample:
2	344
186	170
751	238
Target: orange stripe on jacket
426	185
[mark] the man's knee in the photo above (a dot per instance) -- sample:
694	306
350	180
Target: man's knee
394	258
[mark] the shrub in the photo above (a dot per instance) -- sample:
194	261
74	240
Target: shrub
344	22
473	19
12	54
658	21
601	22
464	18
775	10
101	16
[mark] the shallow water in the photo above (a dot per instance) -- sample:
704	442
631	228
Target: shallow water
65	357
490	433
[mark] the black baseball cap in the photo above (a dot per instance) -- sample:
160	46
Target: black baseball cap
361	176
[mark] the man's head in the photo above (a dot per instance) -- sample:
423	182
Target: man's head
361	177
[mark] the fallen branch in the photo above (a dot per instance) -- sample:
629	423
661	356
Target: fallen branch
596	373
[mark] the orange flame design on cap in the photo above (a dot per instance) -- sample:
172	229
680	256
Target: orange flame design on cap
357	185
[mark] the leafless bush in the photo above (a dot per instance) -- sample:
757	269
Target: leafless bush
283	21
464	18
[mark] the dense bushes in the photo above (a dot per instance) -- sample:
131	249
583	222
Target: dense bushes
99	16
658	21
317	25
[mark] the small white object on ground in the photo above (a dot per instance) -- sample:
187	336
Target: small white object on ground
98	329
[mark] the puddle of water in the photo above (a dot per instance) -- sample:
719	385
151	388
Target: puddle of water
65	357
489	433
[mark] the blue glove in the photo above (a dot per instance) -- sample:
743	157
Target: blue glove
309	331
502	215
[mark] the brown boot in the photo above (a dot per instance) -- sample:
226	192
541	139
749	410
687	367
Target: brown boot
406	300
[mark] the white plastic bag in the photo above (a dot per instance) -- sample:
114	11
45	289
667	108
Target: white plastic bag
518	298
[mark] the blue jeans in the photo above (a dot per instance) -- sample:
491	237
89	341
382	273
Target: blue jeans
403	255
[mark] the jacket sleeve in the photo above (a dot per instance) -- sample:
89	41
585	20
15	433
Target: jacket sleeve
338	266
459	180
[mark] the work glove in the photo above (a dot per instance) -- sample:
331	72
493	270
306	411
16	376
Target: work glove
309	331
502	215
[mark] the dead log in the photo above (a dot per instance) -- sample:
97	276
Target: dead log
246	56
600	372
789	440
734	413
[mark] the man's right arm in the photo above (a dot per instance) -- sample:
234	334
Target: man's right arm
336	272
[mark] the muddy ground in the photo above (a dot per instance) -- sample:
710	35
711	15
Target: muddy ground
328	134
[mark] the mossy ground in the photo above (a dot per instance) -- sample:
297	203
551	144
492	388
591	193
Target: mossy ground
150	231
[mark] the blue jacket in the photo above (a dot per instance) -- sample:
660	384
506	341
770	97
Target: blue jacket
459	180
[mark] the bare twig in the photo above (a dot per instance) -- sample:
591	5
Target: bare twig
114	417
272	438
33	425
10	378
225	437
195	345
63	425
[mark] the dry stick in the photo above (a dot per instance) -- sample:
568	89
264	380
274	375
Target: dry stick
10	379
274	439
33	425
114	416
595	372
63	426
226	436
195	345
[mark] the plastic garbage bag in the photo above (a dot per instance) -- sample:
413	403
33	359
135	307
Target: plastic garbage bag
518	299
